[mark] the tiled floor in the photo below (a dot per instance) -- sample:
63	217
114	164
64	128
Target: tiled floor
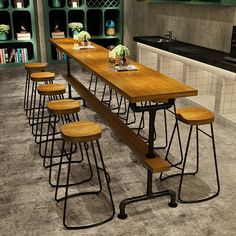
27	205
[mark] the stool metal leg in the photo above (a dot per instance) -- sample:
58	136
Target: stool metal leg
215	163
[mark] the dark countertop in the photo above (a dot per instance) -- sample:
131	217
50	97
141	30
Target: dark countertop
198	53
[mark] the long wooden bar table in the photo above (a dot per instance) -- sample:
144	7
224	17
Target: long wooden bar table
136	86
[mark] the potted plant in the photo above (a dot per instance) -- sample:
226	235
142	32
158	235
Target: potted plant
4	30
84	37
121	52
75	27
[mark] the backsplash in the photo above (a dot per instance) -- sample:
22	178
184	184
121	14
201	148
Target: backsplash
207	26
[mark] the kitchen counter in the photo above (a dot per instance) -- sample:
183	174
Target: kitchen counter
198	53
202	68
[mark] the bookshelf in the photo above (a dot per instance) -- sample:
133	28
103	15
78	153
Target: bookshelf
21	44
93	14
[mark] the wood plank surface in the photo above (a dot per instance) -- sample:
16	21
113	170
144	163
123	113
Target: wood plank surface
135	143
144	84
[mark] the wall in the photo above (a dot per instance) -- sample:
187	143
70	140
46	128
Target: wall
208	26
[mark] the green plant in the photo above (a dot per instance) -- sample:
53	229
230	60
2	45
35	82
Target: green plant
84	34
75	26
4	28
121	51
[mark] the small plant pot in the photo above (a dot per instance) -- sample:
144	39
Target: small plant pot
56	3
75	33
3	36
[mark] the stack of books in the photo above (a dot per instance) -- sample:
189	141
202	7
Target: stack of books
23	36
58	34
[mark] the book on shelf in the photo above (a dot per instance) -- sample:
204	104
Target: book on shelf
23	36
58	34
61	55
3	56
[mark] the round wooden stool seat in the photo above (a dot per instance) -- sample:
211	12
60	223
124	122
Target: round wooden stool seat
36	66
42	76
63	106
51	89
195	116
81	131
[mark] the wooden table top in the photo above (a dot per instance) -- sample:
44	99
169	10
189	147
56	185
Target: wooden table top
142	85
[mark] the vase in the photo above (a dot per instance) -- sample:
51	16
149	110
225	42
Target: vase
3	36
75	32
1	4
56	3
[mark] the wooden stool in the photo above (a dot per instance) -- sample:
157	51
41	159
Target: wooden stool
83	132
29	69
51	92
46	77
65	110
194	117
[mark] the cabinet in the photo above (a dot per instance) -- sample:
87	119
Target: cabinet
199	2
21	48
93	14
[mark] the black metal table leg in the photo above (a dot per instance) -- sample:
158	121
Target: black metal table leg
149	192
68	74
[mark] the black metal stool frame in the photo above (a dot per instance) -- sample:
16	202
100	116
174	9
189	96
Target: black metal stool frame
184	158
84	193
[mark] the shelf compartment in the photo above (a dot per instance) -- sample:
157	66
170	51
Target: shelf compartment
51	3
76	16
103	3
16	47
22	19
95	22
114	15
6	19
5	4
79	4
23	3
105	42
57	18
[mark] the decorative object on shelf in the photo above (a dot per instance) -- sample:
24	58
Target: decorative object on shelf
110	28
56	3
84	37
121	53
57	33
75	27
74	3
4	30
19	3
2	3
24	34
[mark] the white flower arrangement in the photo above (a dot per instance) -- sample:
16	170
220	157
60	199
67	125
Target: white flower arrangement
4	28
84	34
121	51
75	26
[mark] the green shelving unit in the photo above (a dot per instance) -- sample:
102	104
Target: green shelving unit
15	52
196	2
93	14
